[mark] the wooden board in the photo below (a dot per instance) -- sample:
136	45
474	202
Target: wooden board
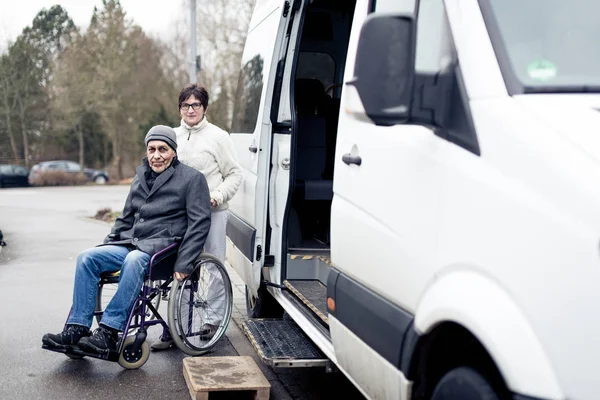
218	374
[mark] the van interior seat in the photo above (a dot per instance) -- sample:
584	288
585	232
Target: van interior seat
311	143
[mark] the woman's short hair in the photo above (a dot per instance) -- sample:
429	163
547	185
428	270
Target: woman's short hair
198	92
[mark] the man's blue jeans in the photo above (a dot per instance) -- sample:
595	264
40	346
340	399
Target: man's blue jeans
91	264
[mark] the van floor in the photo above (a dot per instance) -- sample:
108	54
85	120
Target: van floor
310	244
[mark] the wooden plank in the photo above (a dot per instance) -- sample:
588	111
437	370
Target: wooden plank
211	374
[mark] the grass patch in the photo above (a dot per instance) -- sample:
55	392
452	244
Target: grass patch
107	215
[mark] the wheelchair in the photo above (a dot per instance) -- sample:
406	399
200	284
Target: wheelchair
188	310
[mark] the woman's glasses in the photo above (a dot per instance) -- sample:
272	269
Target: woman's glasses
195	106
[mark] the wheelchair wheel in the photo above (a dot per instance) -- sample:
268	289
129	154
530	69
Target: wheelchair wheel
106	291
200	306
128	360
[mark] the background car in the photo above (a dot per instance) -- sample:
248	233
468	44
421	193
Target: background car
94	175
13	175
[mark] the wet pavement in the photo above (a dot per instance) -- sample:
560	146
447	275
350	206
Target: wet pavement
45	229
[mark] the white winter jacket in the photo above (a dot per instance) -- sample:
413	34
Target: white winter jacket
209	149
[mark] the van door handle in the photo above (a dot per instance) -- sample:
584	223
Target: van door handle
253	148
350	159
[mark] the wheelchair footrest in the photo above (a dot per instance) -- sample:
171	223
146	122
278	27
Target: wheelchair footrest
76	352
281	343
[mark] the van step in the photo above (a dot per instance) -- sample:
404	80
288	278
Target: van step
281	343
312	293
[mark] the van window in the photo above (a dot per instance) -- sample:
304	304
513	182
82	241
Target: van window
435	50
256	64
247	100
319	66
395	6
548	45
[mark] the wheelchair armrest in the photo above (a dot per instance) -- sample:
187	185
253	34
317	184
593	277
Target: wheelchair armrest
163	262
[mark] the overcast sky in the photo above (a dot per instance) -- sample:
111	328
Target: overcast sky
156	17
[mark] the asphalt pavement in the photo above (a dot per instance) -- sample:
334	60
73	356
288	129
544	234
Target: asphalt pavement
45	229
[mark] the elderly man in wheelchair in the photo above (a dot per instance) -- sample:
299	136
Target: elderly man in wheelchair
157	238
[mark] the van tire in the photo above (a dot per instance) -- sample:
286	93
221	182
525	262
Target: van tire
263	306
465	384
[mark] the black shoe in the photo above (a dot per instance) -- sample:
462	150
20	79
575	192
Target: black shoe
207	331
69	337
101	341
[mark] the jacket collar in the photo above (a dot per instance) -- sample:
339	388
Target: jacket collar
160	179
196	128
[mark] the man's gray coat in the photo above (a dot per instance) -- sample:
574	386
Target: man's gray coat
176	208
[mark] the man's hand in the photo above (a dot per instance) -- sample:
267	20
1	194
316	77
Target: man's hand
179	275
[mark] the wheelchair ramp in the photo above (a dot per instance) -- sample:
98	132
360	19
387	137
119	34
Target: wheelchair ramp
281	343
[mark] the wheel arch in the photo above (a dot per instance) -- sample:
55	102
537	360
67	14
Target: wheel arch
462	308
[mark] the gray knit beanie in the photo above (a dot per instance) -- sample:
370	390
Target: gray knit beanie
162	133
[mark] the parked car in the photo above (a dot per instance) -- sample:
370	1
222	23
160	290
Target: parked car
94	175
13	175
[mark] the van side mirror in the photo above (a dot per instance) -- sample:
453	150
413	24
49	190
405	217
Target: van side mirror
384	70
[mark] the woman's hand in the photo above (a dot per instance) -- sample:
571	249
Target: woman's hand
179	275
213	203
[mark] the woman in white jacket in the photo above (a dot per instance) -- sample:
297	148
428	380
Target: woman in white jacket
209	149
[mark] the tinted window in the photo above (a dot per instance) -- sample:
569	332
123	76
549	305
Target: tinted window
55	166
247	101
256	63
5	169
73	167
21	170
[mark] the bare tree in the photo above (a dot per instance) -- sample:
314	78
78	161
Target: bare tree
222	27
8	101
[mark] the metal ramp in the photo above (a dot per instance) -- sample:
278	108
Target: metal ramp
280	343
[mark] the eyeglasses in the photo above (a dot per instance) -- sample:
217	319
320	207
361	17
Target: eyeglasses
195	106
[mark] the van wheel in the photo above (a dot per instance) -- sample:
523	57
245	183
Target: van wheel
465	384
263	306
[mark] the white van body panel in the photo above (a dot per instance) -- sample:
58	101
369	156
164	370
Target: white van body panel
532	184
377	380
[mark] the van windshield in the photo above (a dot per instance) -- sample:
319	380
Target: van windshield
546	45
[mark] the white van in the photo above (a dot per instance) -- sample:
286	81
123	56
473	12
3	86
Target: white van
422	194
